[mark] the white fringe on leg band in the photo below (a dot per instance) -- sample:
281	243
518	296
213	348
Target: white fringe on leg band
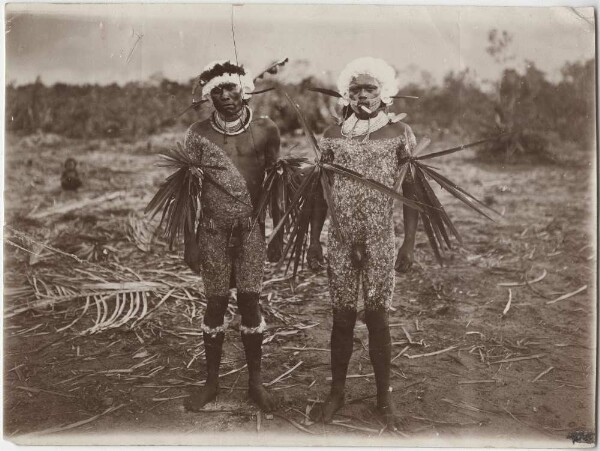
213	331
254	330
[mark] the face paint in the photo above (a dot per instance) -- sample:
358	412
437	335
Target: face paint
227	99
364	91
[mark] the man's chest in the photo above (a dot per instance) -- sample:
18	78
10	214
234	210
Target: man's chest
244	151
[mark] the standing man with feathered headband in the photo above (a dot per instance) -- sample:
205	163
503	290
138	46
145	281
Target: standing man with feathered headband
225	245
373	142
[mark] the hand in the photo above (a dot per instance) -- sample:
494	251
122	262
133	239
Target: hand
314	256
405	259
274	251
191	256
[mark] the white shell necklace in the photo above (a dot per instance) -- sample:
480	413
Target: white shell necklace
231	128
353	126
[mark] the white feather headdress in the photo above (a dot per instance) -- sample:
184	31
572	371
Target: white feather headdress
376	68
244	80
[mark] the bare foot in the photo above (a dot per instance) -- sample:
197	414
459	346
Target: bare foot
263	399
388	415
326	411
200	396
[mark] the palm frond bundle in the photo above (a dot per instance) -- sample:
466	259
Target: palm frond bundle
279	185
297	217
437	224
179	196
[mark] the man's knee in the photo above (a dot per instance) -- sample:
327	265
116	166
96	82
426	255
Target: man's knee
214	317
377	319
249	308
344	319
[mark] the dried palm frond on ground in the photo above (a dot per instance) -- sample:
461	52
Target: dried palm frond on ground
119	295
141	231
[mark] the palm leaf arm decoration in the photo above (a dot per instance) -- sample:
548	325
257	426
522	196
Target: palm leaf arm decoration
277	192
178	197
436	222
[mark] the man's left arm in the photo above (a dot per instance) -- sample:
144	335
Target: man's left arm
272	153
411	216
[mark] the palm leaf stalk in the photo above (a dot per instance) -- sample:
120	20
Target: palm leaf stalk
179	195
318	177
334	93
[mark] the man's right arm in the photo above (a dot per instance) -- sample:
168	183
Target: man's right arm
191	253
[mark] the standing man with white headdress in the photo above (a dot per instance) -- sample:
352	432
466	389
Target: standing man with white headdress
224	245
372	142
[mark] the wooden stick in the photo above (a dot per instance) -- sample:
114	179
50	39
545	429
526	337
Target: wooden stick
527	282
400	353
293	423
568	295
169	399
69	206
78	423
356	428
518	359
523	422
416	356
41	390
277	379
450	423
508	303
291	348
408	337
355	376
464	405
543	373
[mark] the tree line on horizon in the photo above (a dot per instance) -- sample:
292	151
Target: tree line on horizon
536	110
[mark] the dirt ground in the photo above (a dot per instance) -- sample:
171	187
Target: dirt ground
522	374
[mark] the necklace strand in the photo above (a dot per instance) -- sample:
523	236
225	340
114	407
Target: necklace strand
231	128
353	126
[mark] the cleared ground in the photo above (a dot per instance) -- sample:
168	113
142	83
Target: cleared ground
522	373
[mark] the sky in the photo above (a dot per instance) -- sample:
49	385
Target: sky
105	43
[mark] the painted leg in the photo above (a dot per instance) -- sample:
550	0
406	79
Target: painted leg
342	336
380	346
343	289
213	334
252	332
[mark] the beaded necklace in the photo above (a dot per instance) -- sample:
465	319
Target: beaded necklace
231	128
353	126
